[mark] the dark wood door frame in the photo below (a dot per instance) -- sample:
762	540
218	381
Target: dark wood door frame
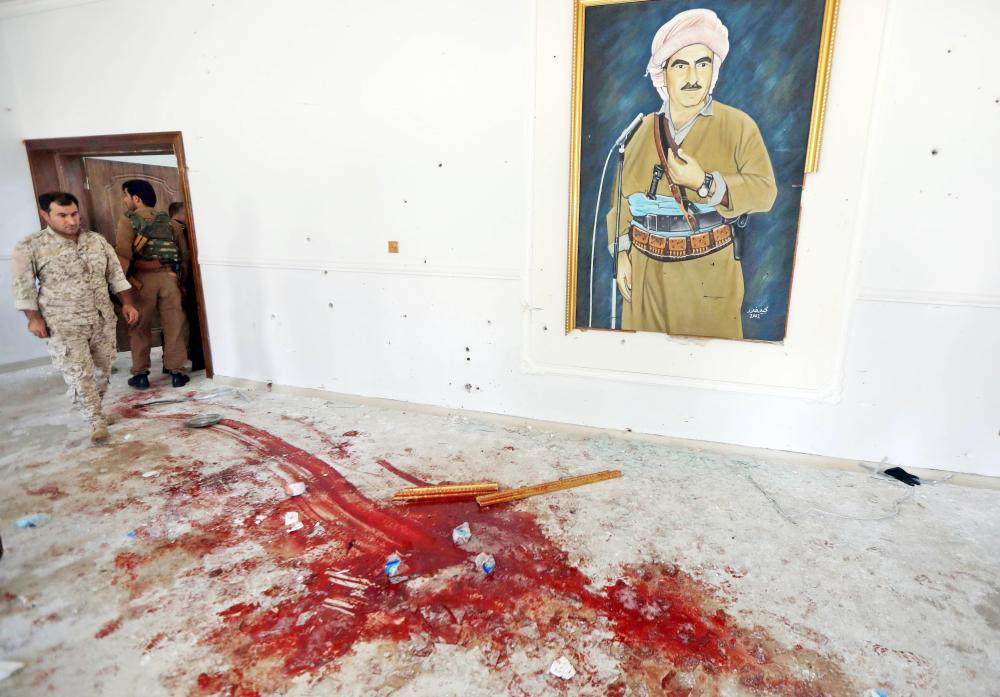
51	165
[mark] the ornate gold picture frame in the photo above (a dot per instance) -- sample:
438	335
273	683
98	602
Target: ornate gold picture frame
706	116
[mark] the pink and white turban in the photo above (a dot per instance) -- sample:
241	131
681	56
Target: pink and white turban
685	29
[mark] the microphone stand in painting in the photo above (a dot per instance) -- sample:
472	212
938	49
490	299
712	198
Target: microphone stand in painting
620	143
618	221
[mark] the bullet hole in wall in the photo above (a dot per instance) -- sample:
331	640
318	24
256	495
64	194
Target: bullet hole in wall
934	151
329	304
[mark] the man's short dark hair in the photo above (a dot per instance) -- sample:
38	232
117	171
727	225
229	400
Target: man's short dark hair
60	198
175	208
141	188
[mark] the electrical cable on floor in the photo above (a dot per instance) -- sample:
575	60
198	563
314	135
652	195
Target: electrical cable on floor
876	473
895	509
744	467
777	506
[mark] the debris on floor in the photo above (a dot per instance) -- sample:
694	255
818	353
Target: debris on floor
558	485
34	520
485	562
395	569
292	522
295	488
203	420
562	668
461	534
214	394
902	475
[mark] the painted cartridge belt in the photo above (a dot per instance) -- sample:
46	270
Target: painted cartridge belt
681	247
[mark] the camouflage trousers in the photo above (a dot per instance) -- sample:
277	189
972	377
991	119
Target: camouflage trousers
84	356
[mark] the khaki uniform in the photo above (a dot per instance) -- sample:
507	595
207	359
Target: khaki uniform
67	282
180	237
702	296
160	293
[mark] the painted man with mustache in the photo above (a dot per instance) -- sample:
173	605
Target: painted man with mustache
692	174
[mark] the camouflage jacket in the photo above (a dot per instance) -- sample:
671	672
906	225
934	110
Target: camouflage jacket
66	281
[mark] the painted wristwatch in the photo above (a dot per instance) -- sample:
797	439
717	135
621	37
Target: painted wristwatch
706	185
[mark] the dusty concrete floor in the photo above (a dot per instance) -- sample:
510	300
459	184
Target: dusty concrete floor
694	574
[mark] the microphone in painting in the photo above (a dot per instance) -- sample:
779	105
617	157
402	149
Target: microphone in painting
629	130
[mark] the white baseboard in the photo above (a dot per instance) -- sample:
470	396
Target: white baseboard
763	454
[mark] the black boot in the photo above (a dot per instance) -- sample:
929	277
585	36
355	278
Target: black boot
179	379
140	381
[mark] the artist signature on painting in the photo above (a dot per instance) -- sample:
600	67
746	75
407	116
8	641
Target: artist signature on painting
757	312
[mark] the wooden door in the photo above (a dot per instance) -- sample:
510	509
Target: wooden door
104	181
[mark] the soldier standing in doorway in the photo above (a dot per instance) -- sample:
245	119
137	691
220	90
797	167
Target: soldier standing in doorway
61	278
146	246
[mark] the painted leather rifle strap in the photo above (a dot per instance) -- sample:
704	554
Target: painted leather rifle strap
660	134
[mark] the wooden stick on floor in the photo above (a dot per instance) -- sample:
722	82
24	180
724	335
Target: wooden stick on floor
468	490
548	487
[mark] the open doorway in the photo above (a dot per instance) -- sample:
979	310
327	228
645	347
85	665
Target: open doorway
93	169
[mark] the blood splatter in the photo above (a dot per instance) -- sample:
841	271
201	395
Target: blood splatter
385	464
666	631
110	628
155	641
51	492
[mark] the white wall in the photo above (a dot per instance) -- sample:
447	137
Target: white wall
316	131
17	219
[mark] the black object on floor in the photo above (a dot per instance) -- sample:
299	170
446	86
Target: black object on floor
903	476
179	379
140	381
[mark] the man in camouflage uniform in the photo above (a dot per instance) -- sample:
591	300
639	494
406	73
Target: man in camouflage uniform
61	278
155	280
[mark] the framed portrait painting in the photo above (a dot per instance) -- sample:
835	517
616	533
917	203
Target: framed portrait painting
693	125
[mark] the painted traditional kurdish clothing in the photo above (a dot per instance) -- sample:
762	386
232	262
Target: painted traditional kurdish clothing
67	282
700	295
